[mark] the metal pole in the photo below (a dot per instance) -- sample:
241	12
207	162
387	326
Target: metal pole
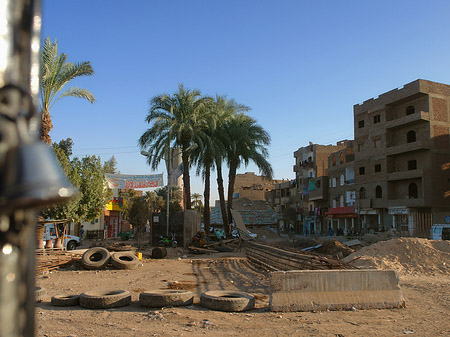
168	199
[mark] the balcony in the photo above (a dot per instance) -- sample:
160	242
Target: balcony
417	202
420	145
405	175
295	168
410	119
365	203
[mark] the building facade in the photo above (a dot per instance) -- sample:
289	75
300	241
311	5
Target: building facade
253	187
402	159
342	217
311	186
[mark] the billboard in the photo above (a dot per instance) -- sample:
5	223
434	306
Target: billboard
134	181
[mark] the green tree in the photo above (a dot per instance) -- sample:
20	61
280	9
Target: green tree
86	175
176	120
175	198
56	73
248	142
138	217
197	201
110	166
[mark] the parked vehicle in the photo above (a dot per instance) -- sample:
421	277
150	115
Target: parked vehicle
440	232
165	241
53	232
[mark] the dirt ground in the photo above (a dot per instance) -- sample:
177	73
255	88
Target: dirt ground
426	314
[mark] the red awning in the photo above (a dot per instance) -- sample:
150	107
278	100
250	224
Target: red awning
341	212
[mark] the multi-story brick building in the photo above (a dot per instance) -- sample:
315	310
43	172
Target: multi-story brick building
311	197
341	190
402	158
253	187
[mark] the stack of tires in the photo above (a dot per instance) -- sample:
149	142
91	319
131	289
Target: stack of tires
99	258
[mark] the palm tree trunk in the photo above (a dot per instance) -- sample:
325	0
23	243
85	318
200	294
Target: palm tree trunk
231	180
46	126
186	180
223	209
206	194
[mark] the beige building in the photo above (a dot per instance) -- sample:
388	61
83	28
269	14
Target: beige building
253	187
402	158
311	193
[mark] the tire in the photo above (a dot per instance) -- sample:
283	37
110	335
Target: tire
159	253
174	244
39	294
71	245
65	300
224	300
95	258
166	298
105	299
124	260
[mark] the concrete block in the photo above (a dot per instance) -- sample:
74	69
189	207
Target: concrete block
320	290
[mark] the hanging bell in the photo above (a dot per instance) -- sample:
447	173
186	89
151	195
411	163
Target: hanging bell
32	178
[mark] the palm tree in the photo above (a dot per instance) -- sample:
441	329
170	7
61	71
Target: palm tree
176	120
248	142
224	111
56	72
197	201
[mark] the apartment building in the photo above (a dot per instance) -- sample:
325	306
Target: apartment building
311	186
402	158
253	187
341	213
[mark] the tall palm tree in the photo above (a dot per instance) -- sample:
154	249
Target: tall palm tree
224	111
175	120
248	142
56	72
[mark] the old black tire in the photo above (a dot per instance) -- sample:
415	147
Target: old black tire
159	252
39	294
65	300
166	298
124	260
105	299
95	258
225	300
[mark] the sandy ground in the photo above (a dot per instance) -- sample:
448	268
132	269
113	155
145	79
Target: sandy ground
427	297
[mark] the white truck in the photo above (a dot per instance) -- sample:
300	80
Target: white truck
53	231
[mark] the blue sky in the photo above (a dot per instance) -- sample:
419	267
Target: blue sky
300	65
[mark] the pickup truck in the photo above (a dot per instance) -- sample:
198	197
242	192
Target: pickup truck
52	232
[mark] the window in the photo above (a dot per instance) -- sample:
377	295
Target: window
334	182
412	164
376	119
342	180
361	124
378	168
410	110
334	160
412	191
411	136
360	147
341	160
362	193
362	170
376	143
378	192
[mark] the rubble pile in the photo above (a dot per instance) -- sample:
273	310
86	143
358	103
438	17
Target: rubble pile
334	248
405	255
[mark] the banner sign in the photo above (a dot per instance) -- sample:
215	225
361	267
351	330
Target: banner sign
134	181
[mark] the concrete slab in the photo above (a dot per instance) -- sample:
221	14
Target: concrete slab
320	290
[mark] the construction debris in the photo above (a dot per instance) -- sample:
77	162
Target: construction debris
51	260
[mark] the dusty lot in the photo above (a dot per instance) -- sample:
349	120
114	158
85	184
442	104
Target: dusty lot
426	314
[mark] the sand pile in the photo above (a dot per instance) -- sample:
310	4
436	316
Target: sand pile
406	255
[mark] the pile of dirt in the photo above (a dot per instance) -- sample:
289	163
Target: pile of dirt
405	255
334	248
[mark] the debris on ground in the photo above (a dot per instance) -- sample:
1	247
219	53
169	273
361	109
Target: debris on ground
334	248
